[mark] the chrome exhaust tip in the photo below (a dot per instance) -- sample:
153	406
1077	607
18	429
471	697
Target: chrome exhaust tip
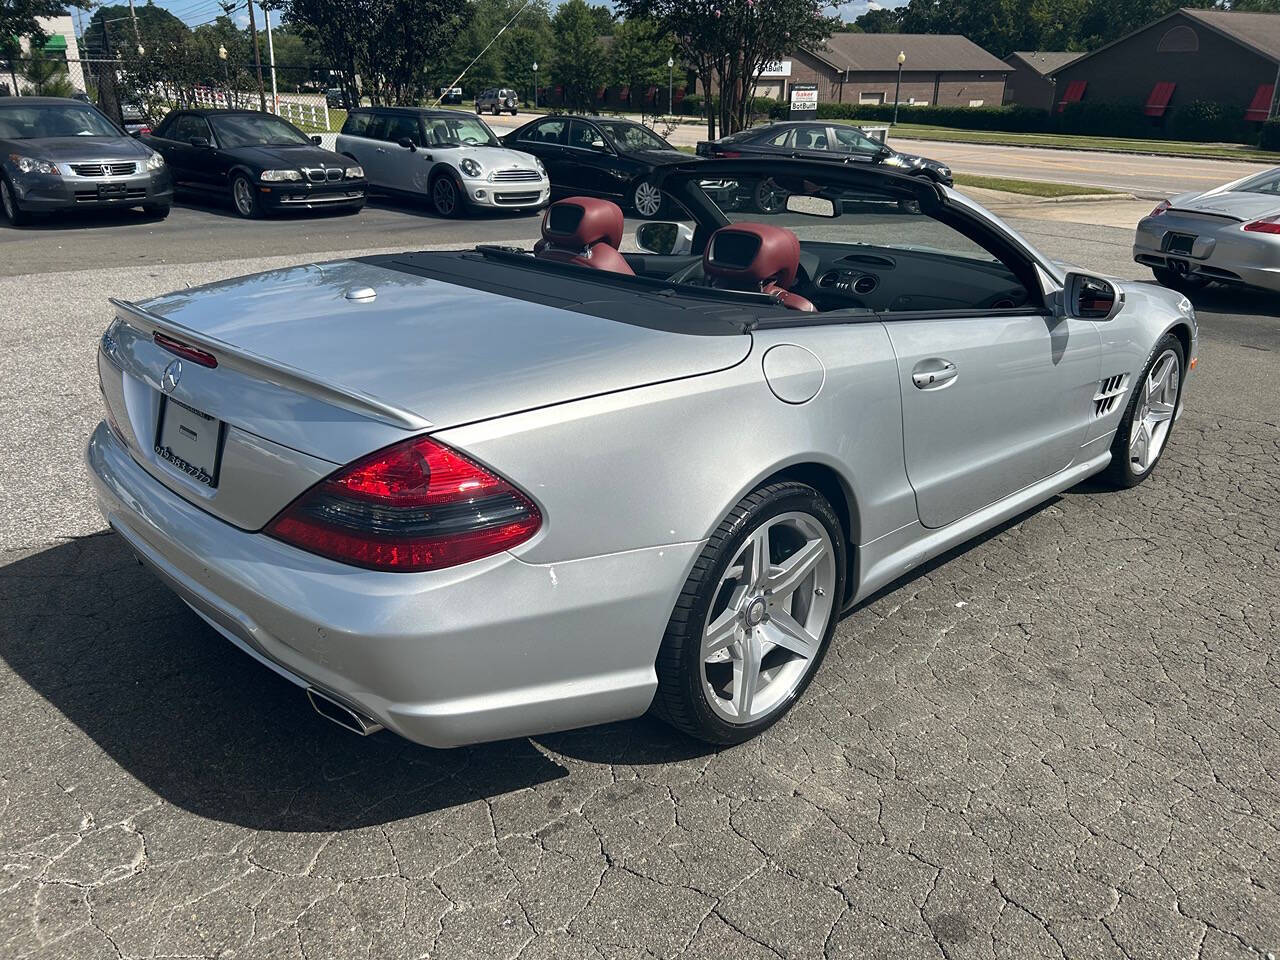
341	714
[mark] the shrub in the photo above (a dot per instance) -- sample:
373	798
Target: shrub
1208	121
1269	137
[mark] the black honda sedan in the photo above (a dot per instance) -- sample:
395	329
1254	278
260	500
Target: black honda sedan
599	157
821	140
258	161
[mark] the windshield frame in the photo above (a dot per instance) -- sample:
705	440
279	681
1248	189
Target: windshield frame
87	109
216	119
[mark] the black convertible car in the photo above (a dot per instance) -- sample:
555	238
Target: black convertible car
599	157
820	140
257	160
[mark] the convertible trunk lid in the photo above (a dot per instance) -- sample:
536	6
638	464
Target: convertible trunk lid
320	364
1240	205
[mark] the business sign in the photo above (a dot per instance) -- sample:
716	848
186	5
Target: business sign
804	101
775	68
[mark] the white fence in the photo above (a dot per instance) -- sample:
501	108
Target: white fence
306	110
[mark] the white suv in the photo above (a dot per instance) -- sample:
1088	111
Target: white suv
447	155
498	100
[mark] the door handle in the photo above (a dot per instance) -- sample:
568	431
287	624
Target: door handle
933	374
380	150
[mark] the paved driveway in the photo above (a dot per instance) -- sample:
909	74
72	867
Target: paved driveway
1058	741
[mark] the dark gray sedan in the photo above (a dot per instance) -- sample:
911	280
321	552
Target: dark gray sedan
58	154
821	140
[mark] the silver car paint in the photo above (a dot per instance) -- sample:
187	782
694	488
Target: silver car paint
563	630
1222	250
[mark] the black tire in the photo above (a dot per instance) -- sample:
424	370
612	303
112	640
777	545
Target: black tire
1177	281
1121	473
439	187
13	213
244	198
156	211
680	699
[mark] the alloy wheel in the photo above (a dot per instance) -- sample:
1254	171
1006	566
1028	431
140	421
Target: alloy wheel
648	199
769	197
771	609
242	194
445	196
1153	416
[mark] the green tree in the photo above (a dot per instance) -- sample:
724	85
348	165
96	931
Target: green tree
728	41
576	63
638	56
46	75
881	20
20	20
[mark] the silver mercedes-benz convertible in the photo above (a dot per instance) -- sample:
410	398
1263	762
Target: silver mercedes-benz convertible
497	492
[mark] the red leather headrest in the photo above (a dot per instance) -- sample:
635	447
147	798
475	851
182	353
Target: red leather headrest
582	222
751	255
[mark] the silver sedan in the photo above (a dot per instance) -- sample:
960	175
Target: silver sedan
488	493
1230	234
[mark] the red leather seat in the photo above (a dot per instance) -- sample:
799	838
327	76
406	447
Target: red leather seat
585	231
756	256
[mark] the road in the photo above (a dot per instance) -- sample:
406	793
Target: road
1145	176
1058	741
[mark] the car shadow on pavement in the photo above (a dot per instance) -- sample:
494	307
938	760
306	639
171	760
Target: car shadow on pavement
196	721
1216	298
84	220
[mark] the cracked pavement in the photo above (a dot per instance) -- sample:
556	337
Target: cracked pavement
1061	740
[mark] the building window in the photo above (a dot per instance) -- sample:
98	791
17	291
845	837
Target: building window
870	98
1179	39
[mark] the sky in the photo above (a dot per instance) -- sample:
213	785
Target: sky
204	11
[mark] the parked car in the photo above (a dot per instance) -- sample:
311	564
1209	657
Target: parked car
258	161
60	154
498	100
447	155
820	140
600	157
1230	234
335	98
451	95
491	493
136	121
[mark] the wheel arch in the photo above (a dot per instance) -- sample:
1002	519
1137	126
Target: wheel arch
1183	332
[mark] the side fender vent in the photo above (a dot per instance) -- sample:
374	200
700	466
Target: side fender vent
1110	392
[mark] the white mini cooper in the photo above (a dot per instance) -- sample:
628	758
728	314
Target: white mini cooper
447	155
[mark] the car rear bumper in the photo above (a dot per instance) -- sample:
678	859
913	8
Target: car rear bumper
45	194
487	650
1220	251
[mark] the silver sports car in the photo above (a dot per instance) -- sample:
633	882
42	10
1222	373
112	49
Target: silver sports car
1230	234
496	492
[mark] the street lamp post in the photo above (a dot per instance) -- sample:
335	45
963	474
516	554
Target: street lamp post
226	76
535	84
897	90
671	64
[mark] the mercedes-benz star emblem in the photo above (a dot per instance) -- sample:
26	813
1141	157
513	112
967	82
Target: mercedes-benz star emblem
172	374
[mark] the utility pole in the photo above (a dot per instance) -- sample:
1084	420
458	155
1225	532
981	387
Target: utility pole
257	57
271	55
133	15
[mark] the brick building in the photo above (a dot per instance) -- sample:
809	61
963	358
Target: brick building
1031	84
1215	55
940	69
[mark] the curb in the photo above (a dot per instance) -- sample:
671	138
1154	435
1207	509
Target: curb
1273	159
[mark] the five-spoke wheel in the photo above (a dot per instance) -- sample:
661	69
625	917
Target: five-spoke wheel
755	616
1148	419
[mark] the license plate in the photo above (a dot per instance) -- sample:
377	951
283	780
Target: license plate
109	191
1179	243
190	440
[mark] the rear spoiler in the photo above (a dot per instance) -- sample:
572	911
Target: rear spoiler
272	371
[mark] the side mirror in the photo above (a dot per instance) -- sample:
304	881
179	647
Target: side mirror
407	143
316	140
201	142
664	238
884	153
1091	298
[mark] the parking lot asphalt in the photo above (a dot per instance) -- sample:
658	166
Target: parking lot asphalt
1058	741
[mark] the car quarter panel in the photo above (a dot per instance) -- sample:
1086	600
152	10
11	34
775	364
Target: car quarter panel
664	464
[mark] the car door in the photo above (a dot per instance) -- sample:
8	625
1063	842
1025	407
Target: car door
400	163
852	145
357	140
811	141
545	140
996	395
598	169
174	144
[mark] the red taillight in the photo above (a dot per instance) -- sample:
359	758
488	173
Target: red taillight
417	505
1269	225
1161	207
730	154
143	132
184	351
